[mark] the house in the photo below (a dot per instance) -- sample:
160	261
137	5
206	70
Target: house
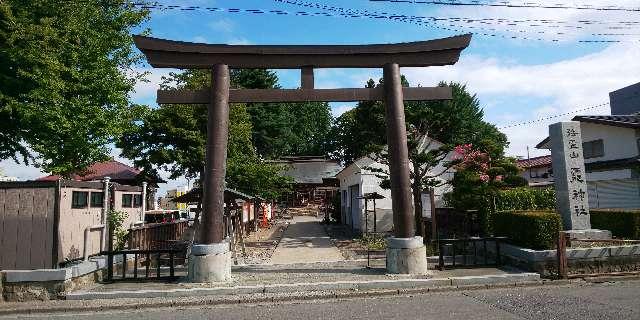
49	223
117	172
167	202
611	146
626	100
358	179
537	171
313	177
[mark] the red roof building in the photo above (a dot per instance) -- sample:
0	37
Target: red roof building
537	171
543	161
117	171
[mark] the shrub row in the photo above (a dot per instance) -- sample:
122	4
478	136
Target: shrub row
622	224
525	199
529	229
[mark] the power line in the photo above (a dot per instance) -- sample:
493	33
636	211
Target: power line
351	13
417	20
504	4
554	116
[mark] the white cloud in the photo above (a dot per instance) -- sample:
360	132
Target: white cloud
565	86
222	25
239	41
145	91
20	171
338	110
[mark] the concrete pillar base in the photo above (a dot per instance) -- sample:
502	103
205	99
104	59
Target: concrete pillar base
210	263
406	256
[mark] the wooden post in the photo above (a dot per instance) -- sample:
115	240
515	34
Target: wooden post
215	166
562	255
366	216
375	217
403	220
306	79
434	220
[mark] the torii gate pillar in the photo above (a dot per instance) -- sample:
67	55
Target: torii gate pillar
406	253
210	260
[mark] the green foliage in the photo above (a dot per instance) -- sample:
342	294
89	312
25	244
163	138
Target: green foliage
373	241
529	229
173	138
622	224
525	198
116	219
291	128
284	128
66	71
361	131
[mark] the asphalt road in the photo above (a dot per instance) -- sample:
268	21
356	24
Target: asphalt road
618	301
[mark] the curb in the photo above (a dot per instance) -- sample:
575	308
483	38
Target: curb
399	284
274	298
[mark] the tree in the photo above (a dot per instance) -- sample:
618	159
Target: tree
478	179
284	128
361	132
173	138
66	71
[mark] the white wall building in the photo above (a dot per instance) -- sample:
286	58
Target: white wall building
612	159
358	179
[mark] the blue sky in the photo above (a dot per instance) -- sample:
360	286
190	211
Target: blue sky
516	80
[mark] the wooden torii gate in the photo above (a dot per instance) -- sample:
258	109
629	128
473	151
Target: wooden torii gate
219	58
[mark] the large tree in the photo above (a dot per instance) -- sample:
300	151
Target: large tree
173	138
66	71
361	132
284	128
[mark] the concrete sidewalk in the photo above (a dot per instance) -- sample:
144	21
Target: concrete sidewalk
305	241
347	276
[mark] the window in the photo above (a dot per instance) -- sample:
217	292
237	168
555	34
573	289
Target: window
97	199
79	199
593	149
137	200
127	200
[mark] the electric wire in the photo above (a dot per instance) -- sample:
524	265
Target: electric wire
505	4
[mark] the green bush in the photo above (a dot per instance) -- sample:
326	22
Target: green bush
529	229
622	224
525	199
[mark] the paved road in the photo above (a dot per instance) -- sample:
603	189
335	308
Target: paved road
305	241
589	301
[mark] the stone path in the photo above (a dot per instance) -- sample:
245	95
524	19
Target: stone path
305	241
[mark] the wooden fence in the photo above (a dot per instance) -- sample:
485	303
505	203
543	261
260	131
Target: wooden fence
157	235
27	239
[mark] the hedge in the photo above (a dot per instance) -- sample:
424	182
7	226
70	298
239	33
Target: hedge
529	229
622	224
526	198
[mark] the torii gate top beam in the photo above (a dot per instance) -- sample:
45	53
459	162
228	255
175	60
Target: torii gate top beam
177	54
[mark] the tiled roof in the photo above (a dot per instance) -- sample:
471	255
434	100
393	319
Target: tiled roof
535	162
112	169
628	121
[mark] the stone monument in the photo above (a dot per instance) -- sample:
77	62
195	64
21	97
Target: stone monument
570	176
